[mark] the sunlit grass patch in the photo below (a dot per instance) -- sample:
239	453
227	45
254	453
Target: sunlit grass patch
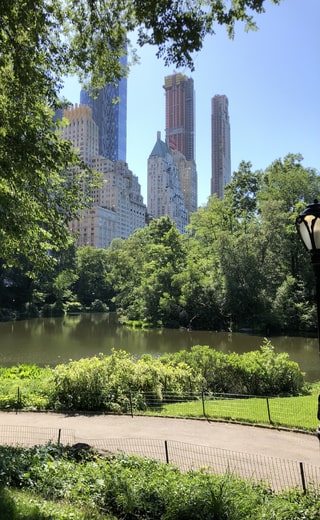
292	412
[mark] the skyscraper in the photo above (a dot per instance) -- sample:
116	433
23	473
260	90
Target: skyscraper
180	123
82	131
165	195
187	172
117	208
180	114
220	145
110	117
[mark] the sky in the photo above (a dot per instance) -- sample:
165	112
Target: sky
271	78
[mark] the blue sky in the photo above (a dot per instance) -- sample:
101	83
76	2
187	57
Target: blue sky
271	78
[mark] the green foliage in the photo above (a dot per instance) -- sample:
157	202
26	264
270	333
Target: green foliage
73	307
62	283
53	309
291	308
25	386
99	383
98	306
93	276
41	45
241	264
260	372
145	274
266	373
133	487
118	383
23	505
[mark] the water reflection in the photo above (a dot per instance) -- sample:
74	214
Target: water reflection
49	341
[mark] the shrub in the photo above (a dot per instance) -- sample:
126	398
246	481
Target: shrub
73	307
135	487
263	372
99	306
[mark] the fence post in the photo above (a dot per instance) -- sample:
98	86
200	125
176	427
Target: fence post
268	408
303	480
130	399
59	436
18	407
166	450
203	407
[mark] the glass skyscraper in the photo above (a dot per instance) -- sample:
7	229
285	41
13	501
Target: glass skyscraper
110	117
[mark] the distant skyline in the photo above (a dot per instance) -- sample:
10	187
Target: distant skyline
271	78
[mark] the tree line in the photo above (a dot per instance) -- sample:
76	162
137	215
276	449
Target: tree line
239	265
45	42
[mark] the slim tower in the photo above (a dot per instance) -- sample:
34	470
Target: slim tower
220	145
180	133
180	114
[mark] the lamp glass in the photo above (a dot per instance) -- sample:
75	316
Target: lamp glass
316	233
305	231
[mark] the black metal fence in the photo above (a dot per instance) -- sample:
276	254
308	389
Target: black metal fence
297	413
278	474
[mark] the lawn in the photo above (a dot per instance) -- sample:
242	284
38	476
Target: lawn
291	412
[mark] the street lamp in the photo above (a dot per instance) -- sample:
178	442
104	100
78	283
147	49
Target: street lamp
308	227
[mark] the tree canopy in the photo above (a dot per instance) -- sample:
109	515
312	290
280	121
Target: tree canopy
45	41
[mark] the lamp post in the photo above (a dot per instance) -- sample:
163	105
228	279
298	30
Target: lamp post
308	227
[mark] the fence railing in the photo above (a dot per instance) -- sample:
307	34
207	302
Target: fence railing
291	412
278	474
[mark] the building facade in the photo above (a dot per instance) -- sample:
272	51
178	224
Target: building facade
220	145
117	207
187	172
165	197
109	111
95	227
180	133
180	118
82	131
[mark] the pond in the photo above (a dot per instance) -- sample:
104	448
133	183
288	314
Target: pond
49	341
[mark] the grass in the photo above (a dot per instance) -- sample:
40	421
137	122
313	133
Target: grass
23	505
291	412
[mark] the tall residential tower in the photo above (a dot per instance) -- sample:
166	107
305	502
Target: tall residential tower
220	145
180	134
180	114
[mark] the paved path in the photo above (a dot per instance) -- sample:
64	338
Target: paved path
234	437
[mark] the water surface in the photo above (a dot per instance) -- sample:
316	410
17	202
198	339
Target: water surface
49	341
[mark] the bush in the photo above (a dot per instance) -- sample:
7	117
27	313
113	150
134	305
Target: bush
73	307
135	487
53	309
261	372
266	373
98	306
31	311
98	383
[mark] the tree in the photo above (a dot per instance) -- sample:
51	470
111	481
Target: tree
41	43
241	193
93	276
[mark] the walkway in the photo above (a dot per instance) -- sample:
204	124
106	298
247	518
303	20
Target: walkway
249	439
